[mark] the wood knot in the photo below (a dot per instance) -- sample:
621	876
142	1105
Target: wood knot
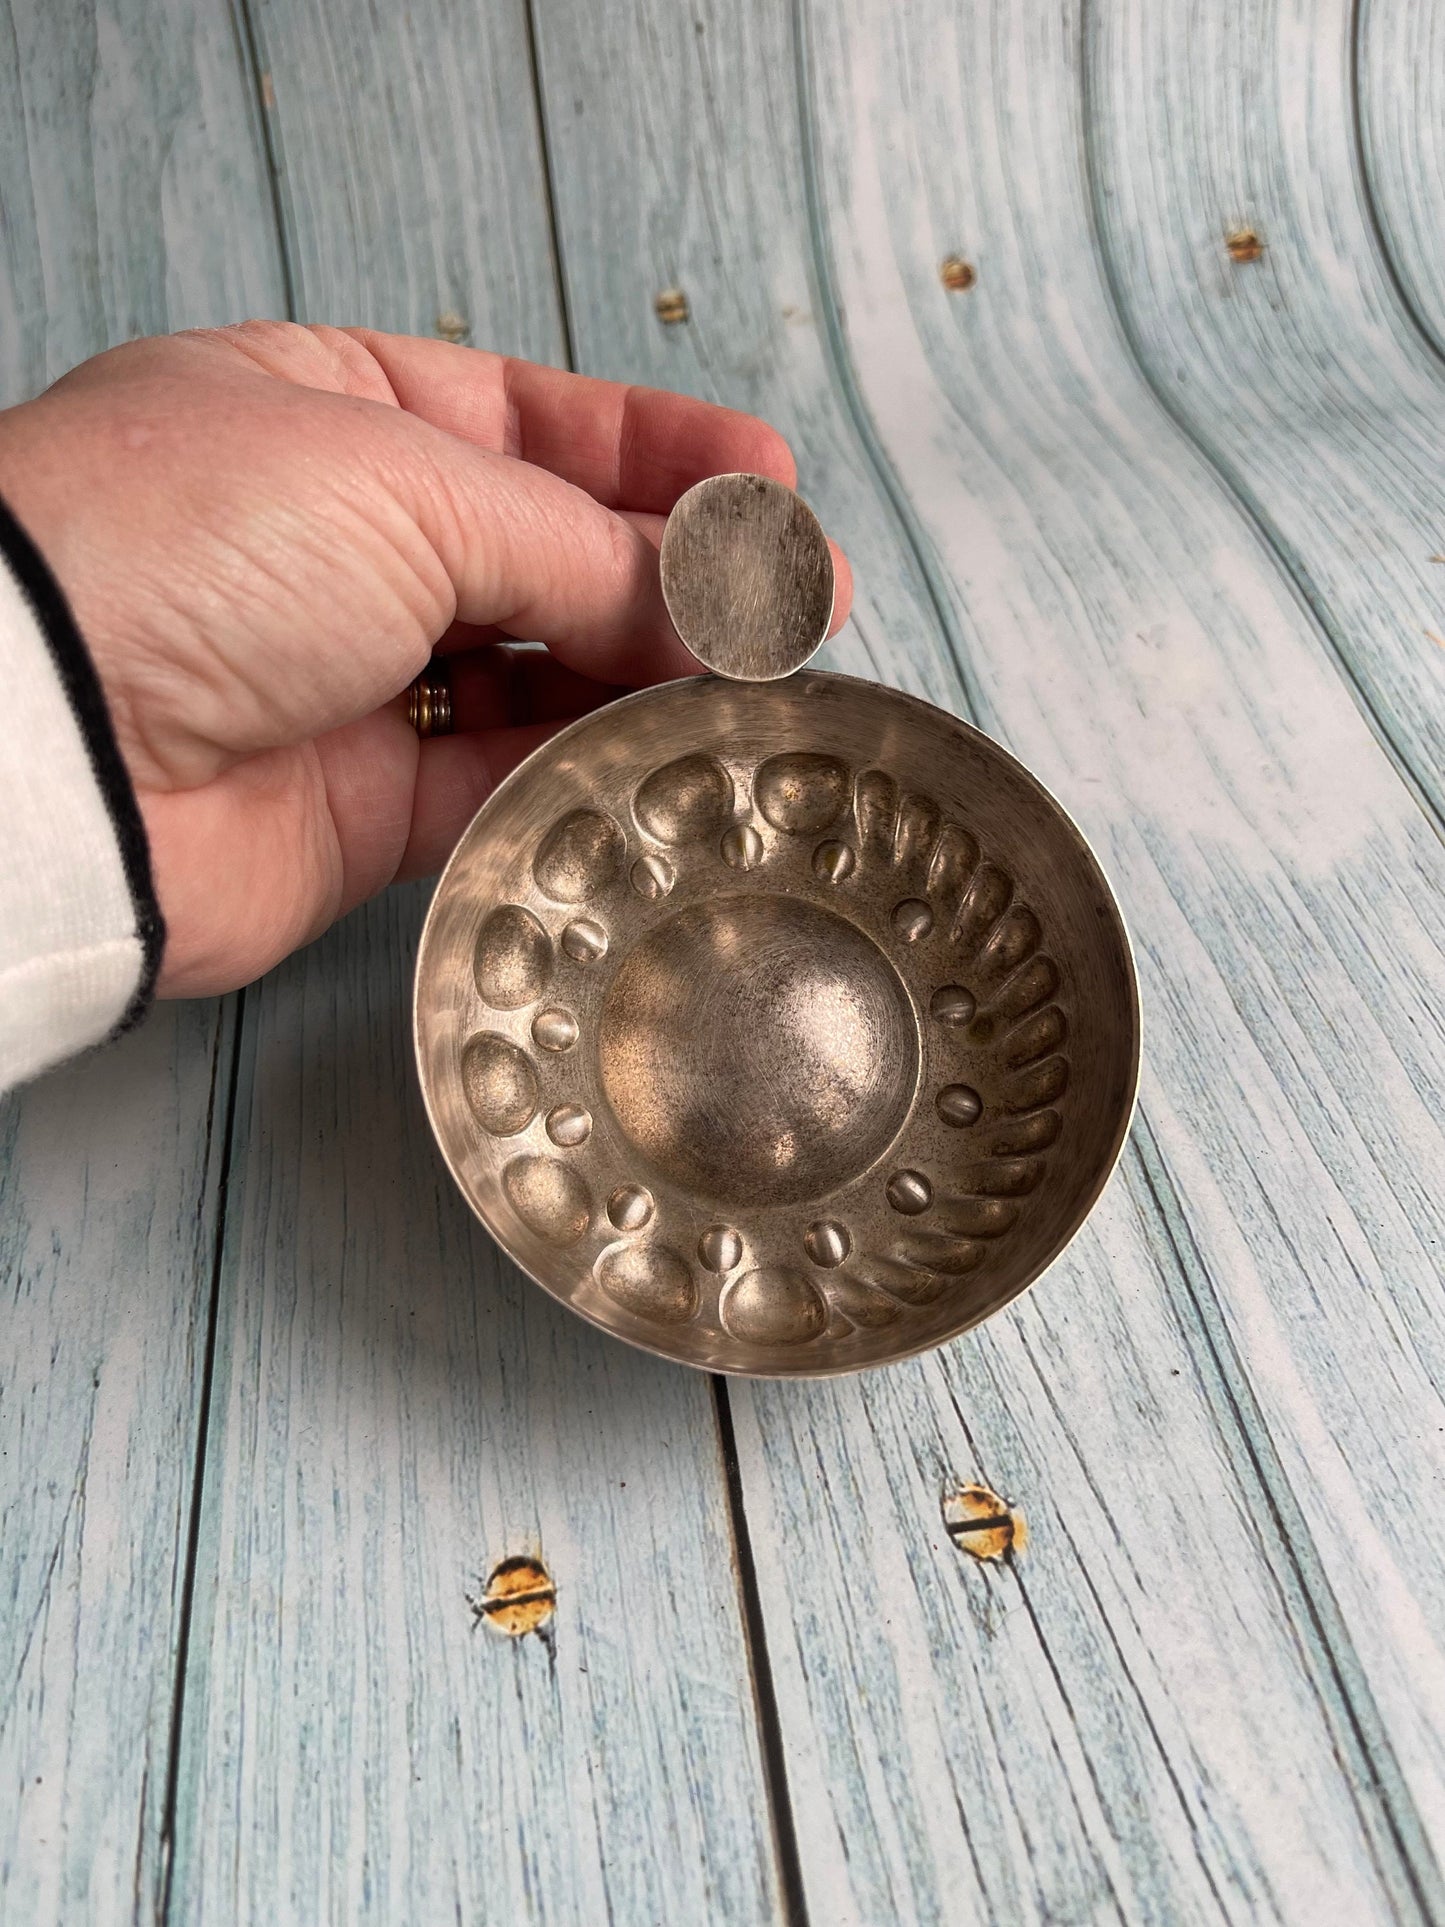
979	1522
519	1597
670	306
452	326
1243	244
956	274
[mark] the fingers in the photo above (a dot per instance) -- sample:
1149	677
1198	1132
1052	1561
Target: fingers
397	805
505	703
628	447
842	588
539	559
652	526
503	687
455	776
634	449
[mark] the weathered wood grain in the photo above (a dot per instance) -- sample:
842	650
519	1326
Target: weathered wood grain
1400	102
1216	1636
1291	1058
107	1227
133	199
1212	1686
408	170
1299	371
667	176
134	189
394	1408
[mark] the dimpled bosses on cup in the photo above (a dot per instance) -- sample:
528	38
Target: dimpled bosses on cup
779	1028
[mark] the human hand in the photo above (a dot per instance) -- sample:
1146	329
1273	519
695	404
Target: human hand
265	531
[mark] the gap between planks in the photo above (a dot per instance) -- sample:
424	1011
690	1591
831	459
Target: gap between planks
198	1462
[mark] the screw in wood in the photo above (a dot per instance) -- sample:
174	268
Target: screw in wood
519	1597
979	1522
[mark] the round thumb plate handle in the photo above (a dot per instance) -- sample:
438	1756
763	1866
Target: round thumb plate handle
747	576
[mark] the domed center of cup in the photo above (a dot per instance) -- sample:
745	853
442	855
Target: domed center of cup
759	1050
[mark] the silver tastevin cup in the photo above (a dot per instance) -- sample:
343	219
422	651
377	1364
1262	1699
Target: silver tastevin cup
775	1021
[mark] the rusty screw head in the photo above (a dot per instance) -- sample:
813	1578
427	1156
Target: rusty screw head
452	326
519	1597
956	274
979	1522
671	306
1243	244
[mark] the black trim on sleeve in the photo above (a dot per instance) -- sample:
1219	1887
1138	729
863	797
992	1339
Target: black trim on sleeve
82	688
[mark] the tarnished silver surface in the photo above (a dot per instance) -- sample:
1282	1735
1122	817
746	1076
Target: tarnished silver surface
780	1029
747	576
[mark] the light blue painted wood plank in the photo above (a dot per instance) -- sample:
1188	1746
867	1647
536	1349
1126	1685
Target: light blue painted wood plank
1400	101
408	170
107	1226
1210	1644
135	196
395	1409
677	164
1301	372
134	199
1273	870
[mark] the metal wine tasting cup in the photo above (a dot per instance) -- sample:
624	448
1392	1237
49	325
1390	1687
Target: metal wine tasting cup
775	1021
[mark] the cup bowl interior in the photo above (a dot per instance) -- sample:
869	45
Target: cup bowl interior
780	1029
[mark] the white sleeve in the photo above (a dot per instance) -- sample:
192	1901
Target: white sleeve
80	931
